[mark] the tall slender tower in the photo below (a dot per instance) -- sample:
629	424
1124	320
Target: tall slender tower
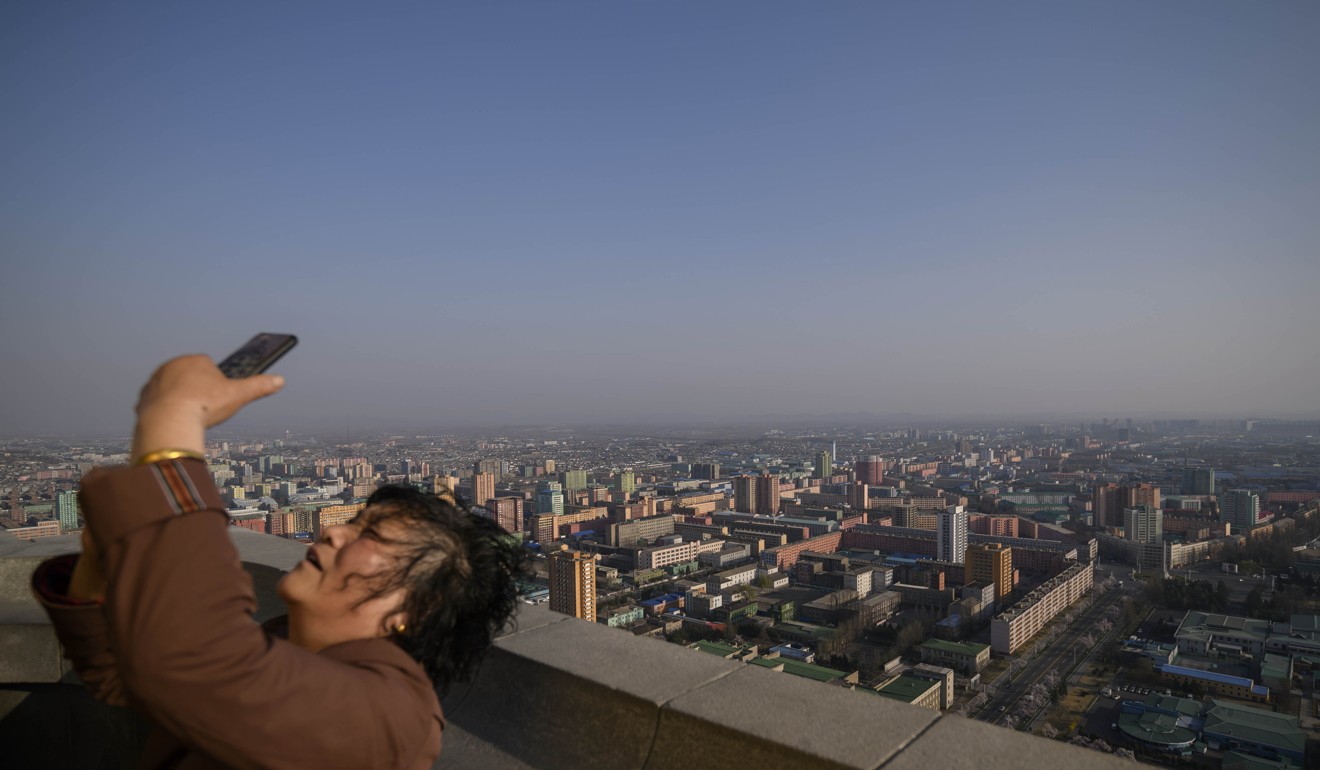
951	535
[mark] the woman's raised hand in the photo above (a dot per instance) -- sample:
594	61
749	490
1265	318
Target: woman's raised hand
187	395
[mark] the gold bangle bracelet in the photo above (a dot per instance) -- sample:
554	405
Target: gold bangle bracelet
169	454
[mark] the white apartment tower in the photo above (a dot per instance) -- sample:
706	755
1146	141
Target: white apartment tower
951	535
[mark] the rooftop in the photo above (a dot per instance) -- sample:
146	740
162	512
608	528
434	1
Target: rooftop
1255	725
907	688
798	668
1203	625
722	649
1212	676
1156	728
957	648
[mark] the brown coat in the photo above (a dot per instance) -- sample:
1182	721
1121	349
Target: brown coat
175	639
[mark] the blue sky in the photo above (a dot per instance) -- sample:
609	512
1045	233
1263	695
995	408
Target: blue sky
493	213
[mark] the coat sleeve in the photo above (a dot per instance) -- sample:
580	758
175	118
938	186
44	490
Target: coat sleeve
179	611
81	629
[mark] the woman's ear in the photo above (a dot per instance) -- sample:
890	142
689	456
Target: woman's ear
397	624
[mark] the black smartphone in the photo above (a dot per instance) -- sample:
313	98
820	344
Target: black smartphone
259	354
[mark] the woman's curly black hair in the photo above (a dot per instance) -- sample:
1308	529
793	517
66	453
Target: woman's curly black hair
459	572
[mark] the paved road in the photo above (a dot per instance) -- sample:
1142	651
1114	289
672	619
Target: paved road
1059	652
1238	585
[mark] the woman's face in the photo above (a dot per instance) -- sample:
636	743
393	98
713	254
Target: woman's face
331	591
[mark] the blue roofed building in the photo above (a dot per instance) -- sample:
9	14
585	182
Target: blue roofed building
1213	681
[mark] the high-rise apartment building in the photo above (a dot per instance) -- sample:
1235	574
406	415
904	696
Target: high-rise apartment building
708	471
573	584
333	515
507	512
767	494
824	464
1143	524
302	519
573	480
1198	481
870	470
497	467
281	523
66	507
1110	500
626	483
549	498
992	562
1143	496
951	535
444	485
859	496
1106	505
483	488
1240	508
744	494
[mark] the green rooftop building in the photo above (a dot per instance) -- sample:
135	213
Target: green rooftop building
806	670
967	657
912	689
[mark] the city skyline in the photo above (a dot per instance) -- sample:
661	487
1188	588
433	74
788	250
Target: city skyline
594	215
1031	559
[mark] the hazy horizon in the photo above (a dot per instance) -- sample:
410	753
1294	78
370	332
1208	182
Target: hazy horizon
254	426
588	213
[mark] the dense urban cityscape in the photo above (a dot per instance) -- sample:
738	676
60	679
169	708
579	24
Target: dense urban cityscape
1142	588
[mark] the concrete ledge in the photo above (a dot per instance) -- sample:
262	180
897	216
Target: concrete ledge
955	743
29	651
765	718
573	694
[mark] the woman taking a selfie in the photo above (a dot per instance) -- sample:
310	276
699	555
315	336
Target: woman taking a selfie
156	613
